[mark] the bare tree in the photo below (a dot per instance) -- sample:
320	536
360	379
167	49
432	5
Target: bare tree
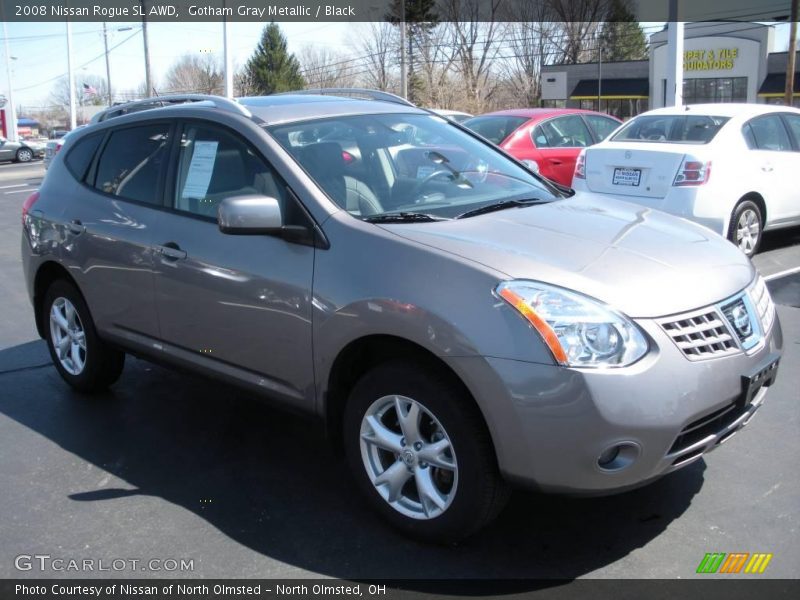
476	37
324	68
83	97
578	25
377	43
529	47
195	73
435	59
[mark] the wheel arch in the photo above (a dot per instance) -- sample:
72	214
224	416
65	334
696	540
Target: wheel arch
47	273
364	353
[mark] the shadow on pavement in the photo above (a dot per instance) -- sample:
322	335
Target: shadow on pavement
276	487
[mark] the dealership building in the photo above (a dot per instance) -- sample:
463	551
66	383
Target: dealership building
723	62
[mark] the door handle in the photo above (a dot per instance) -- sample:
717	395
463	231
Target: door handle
767	168
171	251
75	226
555	161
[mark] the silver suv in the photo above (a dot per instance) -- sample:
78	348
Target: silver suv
458	323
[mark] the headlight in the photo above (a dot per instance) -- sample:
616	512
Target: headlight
579	331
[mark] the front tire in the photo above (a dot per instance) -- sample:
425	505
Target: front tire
420	452
24	155
747	227
82	359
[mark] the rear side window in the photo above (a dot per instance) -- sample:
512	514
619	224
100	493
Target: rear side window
603	126
562	132
672	129
80	155
132	162
767	133
494	128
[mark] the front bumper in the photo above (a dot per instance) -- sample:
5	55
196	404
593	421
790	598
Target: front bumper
550	424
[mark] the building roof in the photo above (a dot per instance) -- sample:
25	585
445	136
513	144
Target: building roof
611	89
775	84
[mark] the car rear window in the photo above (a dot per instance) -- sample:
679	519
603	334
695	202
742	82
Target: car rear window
671	129
494	128
80	156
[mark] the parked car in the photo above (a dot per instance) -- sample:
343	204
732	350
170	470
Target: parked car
456	322
22	151
454	115
547	139
53	147
729	167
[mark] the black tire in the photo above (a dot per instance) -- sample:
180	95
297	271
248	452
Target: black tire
480	493
24	155
103	364
750	243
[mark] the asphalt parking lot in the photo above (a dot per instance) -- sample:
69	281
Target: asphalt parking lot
168	465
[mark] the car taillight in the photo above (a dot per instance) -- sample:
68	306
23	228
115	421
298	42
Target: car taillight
28	204
693	172
580	166
58	147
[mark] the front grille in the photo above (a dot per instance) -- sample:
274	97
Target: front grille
710	424
763	303
700	335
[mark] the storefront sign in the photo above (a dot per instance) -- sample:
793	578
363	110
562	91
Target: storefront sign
722	59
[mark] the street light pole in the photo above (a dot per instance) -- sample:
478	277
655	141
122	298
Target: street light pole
403	73
228	58
108	66
73	118
11	109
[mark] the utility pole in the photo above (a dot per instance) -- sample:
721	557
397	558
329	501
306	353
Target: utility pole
73	117
108	66
674	57
403	73
11	109
790	62
599	75
147	81
228	58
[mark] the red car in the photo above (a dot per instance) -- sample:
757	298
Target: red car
550	137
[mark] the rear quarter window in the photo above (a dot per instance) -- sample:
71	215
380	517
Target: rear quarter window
80	155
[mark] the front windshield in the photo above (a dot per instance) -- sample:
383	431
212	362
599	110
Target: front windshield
373	165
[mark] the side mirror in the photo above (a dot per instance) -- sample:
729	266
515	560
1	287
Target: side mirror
531	164
250	215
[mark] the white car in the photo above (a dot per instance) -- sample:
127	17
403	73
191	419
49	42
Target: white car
730	167
454	115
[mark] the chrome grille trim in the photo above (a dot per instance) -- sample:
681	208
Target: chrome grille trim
709	332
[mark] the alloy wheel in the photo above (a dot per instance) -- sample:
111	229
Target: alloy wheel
748	230
409	457
68	336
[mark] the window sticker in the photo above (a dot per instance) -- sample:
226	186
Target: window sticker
200	169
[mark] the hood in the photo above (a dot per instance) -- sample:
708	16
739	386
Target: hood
641	261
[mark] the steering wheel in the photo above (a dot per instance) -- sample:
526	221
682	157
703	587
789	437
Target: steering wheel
415	192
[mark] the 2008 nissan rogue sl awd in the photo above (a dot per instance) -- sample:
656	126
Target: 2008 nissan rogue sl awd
458	322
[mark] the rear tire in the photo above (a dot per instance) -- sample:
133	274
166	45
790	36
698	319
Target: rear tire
747	227
82	359
440	477
24	155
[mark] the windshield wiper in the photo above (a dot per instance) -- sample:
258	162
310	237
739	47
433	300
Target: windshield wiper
501	206
403	217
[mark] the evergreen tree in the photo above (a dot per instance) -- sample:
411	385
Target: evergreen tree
621	38
272	68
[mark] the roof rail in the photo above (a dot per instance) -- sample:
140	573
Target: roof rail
353	93
125	108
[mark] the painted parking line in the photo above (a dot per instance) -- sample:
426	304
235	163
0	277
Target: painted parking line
16	185
784	273
33	189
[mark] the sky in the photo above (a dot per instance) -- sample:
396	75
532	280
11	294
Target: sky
40	50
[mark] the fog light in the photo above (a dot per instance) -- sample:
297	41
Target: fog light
618	457
608	456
